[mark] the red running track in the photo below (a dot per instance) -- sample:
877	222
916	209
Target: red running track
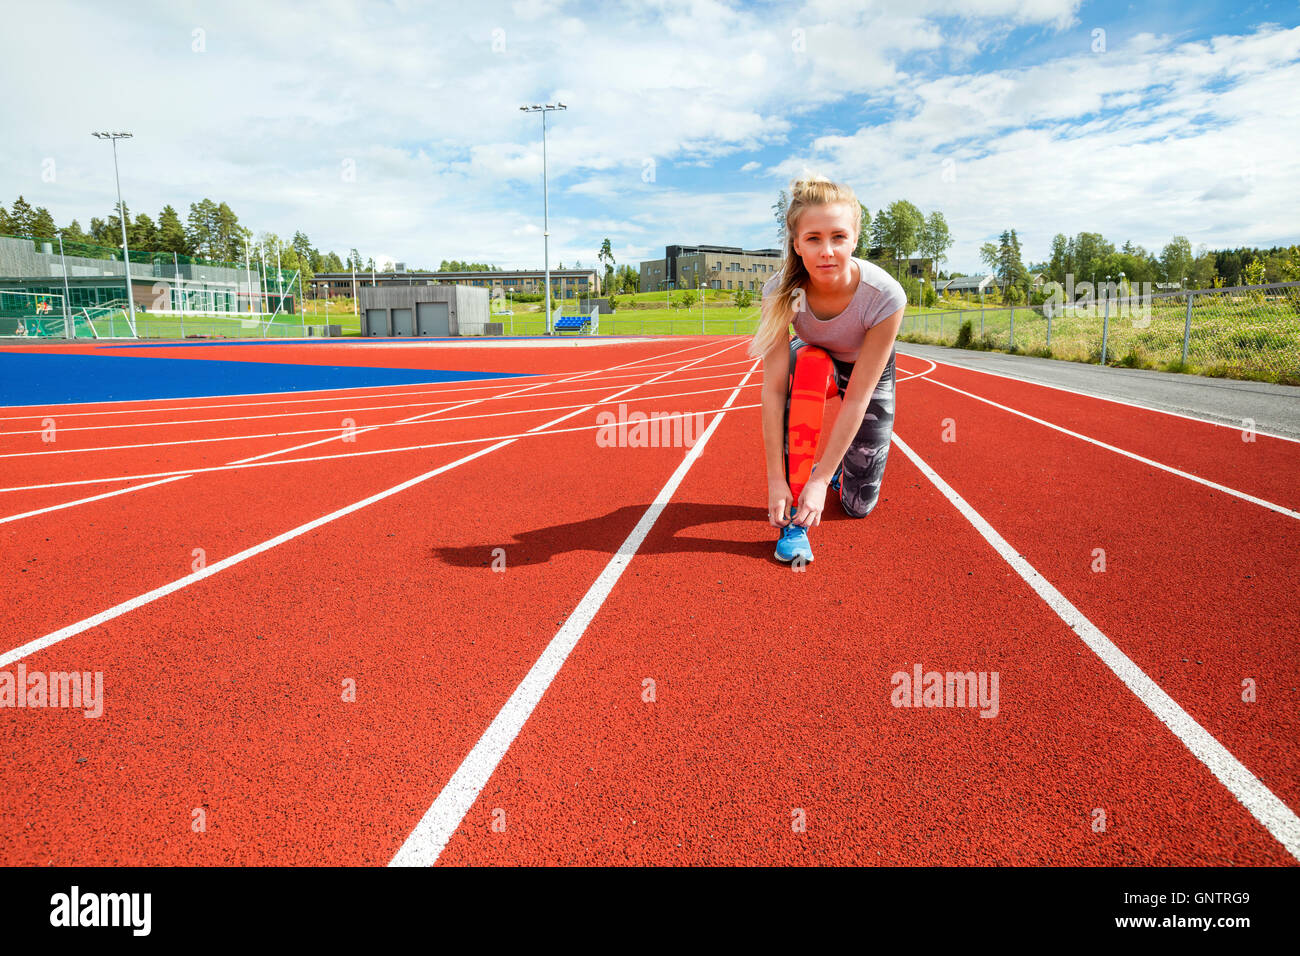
771	689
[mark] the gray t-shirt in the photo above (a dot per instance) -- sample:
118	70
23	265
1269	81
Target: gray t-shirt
879	296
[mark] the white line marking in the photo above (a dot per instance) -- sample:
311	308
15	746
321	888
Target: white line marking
352	454
40	643
499	384
1128	454
189	472
427	841
335	429
1263	804
304	391
601	382
1103	398
913	375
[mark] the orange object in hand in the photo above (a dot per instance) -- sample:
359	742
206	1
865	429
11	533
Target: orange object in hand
811	384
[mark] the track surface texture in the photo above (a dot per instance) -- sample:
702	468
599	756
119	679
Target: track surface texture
433	605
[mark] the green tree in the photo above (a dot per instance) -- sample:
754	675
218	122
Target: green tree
1089	249
114	225
201	229
6	227
989	256
1062	262
72	232
99	232
902	230
1176	259
1203	272
779	209
606	258
171	234
230	237
864	234
935	240
43	226
142	234
1254	272
21	217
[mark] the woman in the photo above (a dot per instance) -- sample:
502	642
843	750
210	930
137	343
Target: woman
851	310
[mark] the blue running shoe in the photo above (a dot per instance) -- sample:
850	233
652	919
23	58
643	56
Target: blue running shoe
835	478
794	543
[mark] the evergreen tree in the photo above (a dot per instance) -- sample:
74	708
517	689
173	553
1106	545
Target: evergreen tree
171	234
99	232
779	208
43	226
114	230
231	238
21	217
201	229
143	234
864	234
73	233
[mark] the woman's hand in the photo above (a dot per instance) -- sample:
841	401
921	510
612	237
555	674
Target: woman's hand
779	502
812	502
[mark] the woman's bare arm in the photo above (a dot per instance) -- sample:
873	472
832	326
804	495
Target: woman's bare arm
776	375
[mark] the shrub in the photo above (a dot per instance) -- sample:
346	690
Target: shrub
964	335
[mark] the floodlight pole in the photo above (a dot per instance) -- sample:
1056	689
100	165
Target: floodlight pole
248	277
121	214
67	294
546	211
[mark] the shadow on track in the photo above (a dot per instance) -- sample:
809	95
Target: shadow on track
608	532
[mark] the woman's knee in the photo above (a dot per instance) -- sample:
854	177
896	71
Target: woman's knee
858	507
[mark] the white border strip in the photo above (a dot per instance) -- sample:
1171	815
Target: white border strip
427	841
1264	805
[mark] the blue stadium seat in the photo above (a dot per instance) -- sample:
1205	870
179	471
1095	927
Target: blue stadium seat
572	323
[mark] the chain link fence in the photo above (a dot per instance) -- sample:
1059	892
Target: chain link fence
1249	332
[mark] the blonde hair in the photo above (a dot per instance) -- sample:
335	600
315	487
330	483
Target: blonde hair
778	305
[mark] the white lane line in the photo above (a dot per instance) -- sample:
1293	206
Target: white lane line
1128	454
602	382
426	842
40	643
334	429
230	466
506	383
917	374
1103	398
492	398
172	475
304	391
1264	805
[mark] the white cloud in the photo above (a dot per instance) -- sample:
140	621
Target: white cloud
1140	142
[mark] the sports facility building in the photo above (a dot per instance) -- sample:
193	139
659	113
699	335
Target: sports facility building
731	267
565	283
424	310
162	282
712	267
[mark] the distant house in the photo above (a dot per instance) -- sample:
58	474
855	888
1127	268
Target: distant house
965	285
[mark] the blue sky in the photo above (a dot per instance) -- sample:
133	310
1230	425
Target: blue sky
394	127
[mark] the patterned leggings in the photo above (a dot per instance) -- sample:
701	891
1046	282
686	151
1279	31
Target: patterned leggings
864	462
